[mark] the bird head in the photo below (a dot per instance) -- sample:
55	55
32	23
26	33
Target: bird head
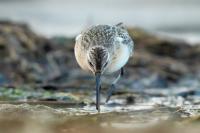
98	59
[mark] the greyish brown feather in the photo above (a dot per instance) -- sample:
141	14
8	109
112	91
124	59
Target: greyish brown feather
114	39
105	35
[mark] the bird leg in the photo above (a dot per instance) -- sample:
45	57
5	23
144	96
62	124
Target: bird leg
113	85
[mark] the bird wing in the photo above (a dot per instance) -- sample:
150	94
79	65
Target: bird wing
78	37
124	38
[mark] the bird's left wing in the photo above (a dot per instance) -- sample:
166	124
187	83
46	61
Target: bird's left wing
78	37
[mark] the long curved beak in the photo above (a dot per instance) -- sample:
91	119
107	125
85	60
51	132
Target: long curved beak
98	88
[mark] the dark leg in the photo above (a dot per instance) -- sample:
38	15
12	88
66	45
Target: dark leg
112	88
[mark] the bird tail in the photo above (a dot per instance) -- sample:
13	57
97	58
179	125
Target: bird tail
120	25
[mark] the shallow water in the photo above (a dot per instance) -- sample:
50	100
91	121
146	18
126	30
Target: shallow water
74	111
42	118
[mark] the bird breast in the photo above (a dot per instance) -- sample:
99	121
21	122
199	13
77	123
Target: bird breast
119	58
80	56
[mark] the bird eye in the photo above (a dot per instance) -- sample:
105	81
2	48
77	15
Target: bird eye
91	64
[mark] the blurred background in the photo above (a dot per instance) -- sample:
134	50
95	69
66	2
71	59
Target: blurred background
68	17
37	41
38	67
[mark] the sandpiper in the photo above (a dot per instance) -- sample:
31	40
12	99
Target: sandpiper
103	49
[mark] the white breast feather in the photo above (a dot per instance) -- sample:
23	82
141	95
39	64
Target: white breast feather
121	57
80	55
77	37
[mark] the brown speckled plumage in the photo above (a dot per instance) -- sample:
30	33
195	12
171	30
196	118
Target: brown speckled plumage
105	35
109	38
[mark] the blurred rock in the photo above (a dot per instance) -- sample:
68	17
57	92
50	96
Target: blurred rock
26	57
168	58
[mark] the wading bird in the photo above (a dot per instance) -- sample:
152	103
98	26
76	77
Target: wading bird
103	49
